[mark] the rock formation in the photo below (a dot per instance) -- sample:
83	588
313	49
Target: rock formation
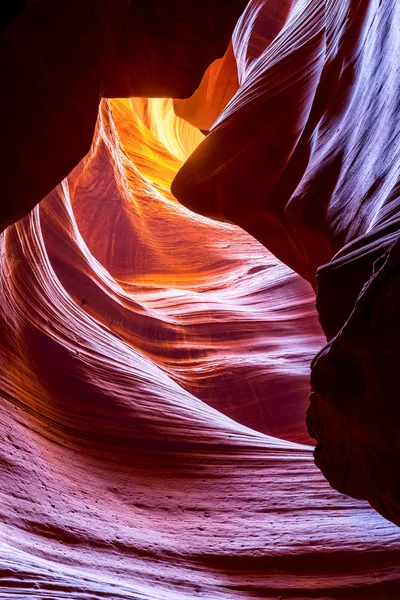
155	362
58	57
306	157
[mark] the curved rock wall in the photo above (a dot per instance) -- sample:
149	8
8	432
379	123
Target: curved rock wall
154	362
306	157
133	331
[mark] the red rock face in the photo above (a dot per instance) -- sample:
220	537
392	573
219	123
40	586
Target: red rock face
155	362
305	157
138	341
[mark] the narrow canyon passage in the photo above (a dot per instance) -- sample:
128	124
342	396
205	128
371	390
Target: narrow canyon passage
155	361
141	340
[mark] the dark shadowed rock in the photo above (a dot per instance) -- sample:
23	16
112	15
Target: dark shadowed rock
58	58
355	413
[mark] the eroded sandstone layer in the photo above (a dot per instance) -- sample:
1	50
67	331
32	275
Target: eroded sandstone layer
155	363
306	157
138	340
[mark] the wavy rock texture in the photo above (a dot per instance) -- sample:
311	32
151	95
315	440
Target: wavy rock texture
154	363
133	331
306	158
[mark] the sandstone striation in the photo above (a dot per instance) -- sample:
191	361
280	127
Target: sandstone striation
306	158
154	362
139	342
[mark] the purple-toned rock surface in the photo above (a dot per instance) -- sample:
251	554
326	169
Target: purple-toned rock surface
138	341
154	363
306	157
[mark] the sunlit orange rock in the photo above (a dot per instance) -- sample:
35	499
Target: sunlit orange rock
245	171
58	58
219	84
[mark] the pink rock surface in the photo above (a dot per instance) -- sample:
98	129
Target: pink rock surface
132	330
155	363
306	157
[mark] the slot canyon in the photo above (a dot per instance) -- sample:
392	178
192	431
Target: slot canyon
199	311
